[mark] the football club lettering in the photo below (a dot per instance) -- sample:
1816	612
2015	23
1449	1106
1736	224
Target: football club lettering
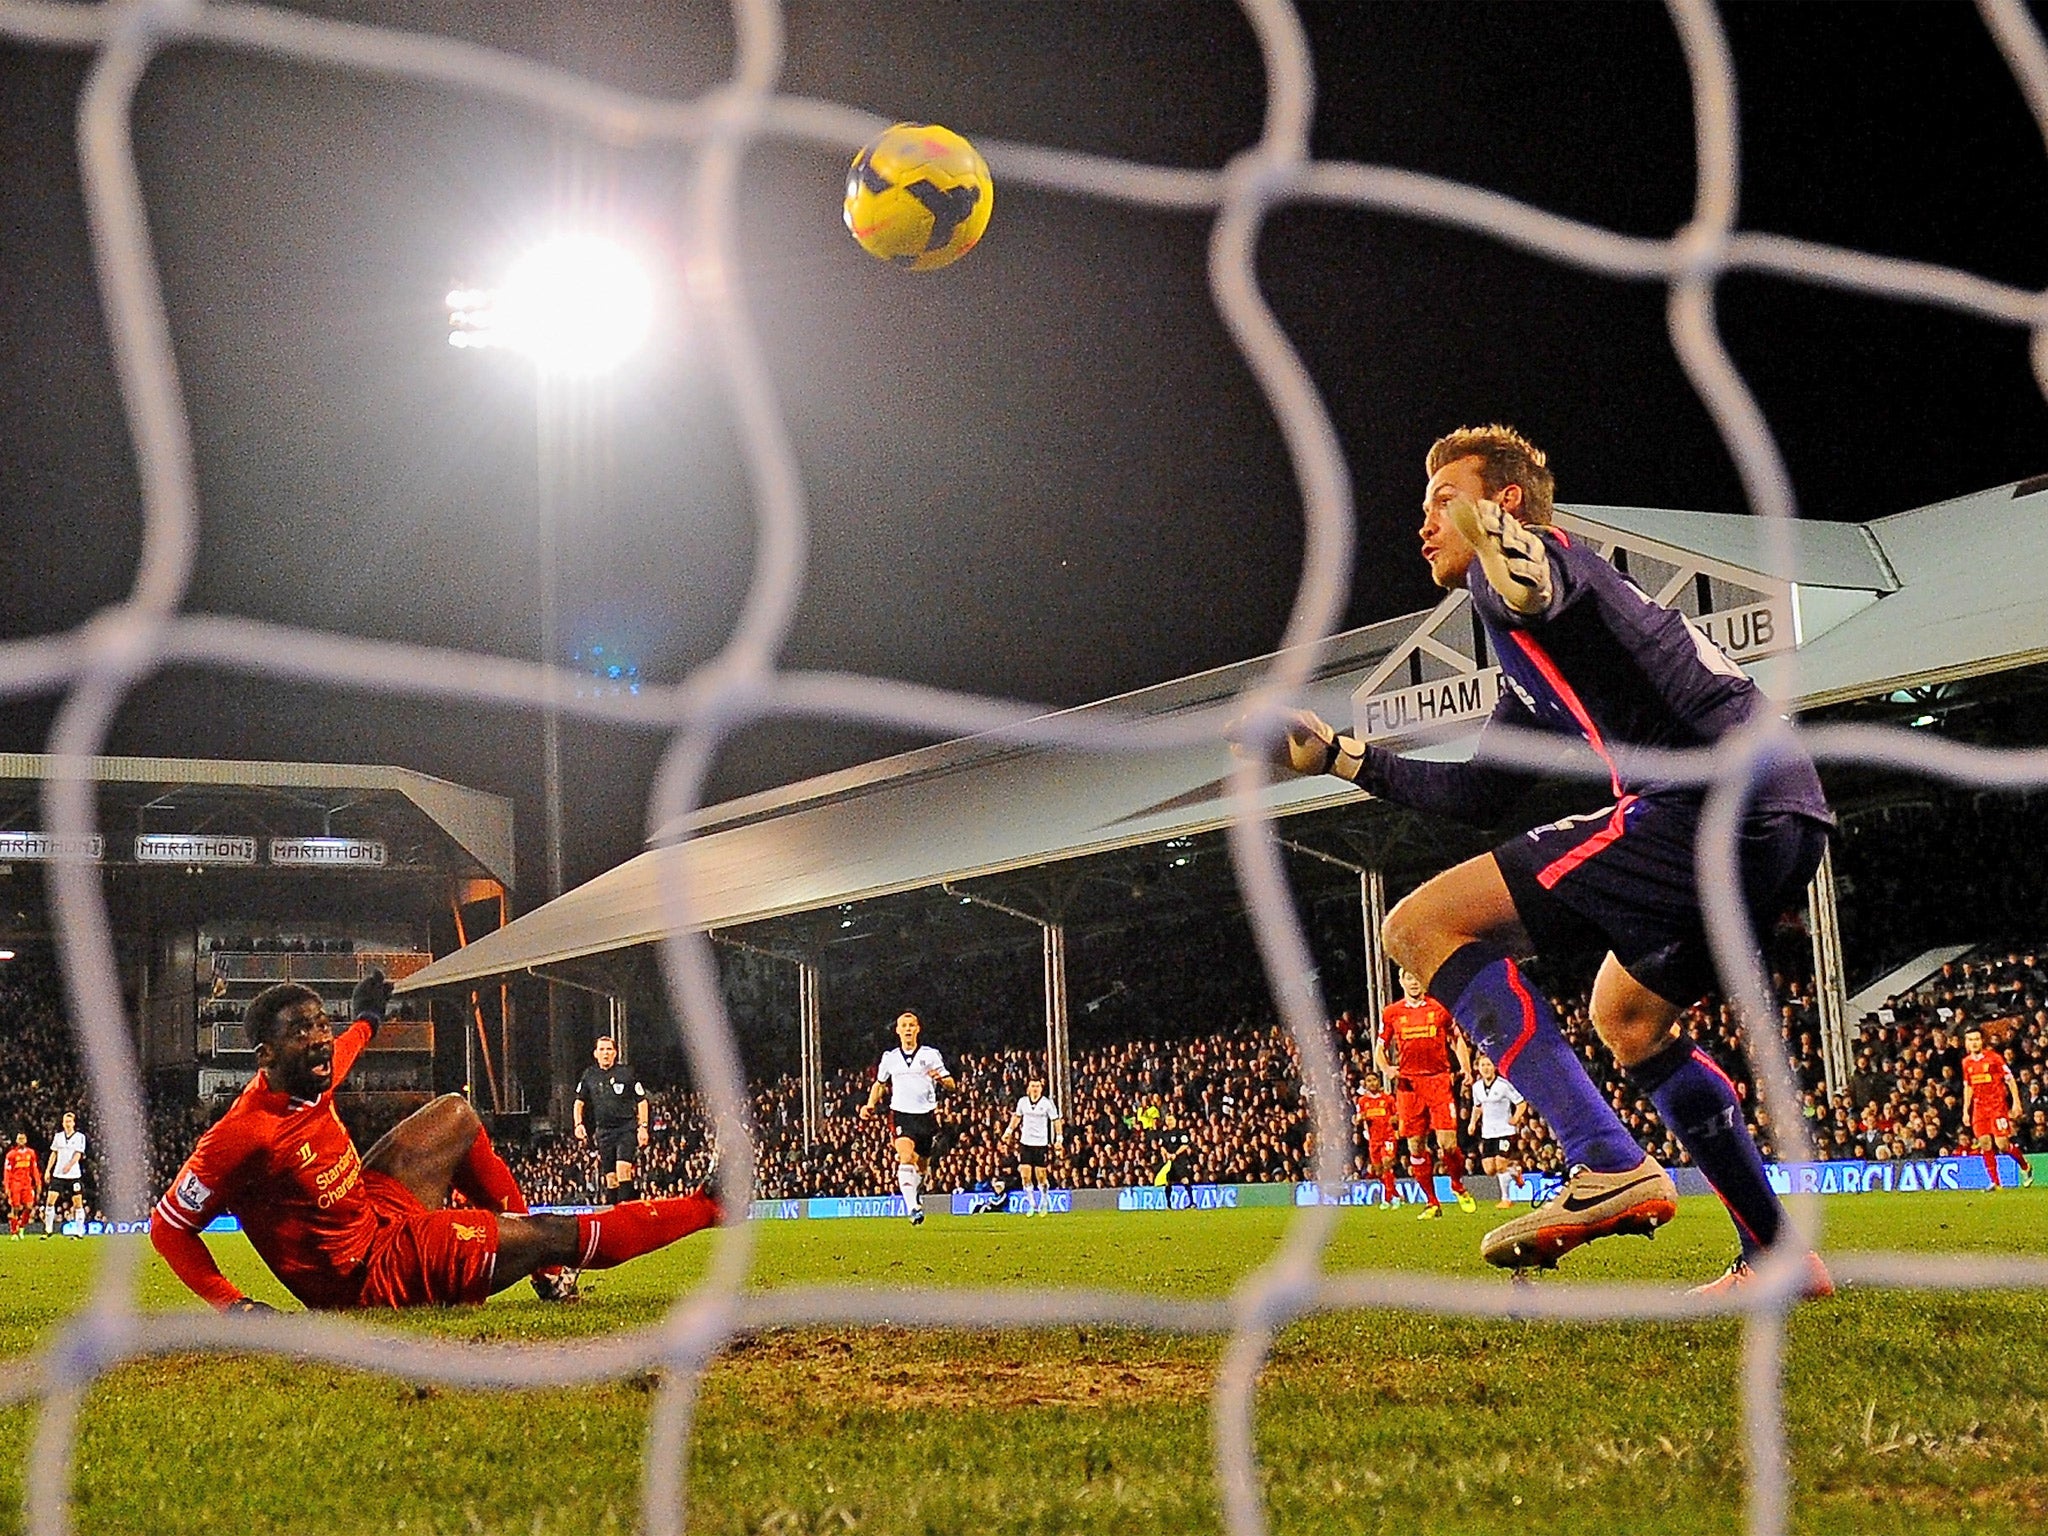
1430	704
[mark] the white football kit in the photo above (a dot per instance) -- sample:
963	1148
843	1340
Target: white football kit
70	1152
1034	1121
912	1090
1496	1101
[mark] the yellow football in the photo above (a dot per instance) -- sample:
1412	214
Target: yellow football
919	195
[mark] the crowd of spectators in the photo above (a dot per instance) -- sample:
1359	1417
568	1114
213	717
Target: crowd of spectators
1233	1100
1224	1105
1231	1103
1904	1094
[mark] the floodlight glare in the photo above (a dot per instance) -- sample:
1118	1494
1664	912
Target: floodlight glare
580	304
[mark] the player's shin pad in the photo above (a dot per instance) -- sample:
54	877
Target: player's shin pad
1516	564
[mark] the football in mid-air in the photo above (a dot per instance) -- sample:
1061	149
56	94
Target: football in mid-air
920	195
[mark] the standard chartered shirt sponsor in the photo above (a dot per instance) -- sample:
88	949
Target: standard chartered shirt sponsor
911	1090
1034	1121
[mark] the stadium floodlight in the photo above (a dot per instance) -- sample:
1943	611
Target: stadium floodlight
578	304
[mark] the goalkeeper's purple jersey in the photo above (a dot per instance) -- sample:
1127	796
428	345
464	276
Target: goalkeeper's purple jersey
1609	665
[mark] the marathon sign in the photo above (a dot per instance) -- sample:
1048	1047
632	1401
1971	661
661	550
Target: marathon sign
193	848
42	848
327	852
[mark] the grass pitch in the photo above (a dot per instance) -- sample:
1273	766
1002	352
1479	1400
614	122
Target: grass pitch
1908	1413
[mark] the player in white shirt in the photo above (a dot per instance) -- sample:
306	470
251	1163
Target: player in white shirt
910	1075
1497	1111
66	1174
1036	1125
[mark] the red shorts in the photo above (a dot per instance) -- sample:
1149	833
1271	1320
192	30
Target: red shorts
1425	1103
1378	1150
423	1258
1999	1124
21	1194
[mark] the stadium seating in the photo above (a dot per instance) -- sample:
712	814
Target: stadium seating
1237	1095
1234	1091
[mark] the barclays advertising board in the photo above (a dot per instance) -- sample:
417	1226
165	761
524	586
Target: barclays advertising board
974	1202
1919	1177
1178	1197
836	1207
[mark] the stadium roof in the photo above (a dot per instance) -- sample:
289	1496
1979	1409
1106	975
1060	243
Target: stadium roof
202	795
1858	610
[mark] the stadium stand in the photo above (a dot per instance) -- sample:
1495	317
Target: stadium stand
1237	1096
1234	1091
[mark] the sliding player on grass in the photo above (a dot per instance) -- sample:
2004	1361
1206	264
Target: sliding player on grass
1585	653
343	1231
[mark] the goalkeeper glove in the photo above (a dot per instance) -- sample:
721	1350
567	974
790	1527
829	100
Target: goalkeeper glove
248	1305
1308	745
370	998
1516	564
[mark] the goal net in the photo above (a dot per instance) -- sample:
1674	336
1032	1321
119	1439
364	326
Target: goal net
94	669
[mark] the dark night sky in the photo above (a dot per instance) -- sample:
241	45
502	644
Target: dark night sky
1043	473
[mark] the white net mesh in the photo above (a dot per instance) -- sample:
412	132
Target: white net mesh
95	667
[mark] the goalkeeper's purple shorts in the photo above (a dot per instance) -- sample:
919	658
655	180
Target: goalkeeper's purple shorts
1622	879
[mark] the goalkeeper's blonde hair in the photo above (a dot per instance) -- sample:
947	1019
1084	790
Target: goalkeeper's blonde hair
1505	458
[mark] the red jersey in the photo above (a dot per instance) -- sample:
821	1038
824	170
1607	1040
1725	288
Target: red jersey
1985	1074
1377	1111
21	1167
288	1169
1418	1037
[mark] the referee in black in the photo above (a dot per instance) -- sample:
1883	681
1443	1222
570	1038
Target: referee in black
611	1106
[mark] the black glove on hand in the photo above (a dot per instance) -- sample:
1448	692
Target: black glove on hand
370	998
249	1304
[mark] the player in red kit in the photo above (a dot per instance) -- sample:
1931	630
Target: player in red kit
1991	1103
1380	1120
23	1176
1416	1041
342	1230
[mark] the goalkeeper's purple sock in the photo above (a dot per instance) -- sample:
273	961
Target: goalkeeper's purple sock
1513	1023
1695	1098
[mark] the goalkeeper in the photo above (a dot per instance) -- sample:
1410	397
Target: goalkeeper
1583	652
